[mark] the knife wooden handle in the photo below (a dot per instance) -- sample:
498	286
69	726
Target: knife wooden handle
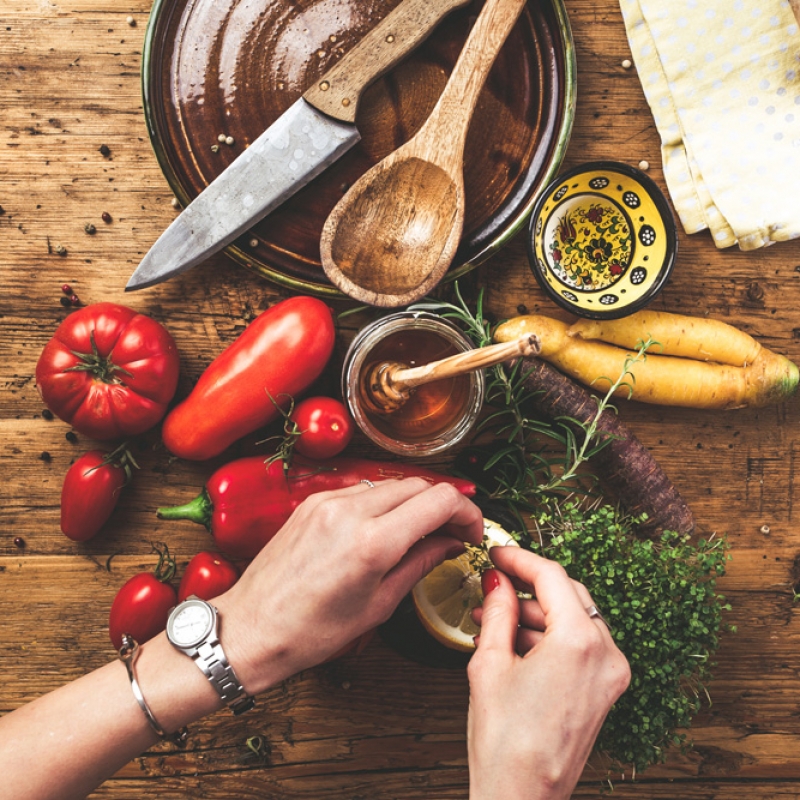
338	91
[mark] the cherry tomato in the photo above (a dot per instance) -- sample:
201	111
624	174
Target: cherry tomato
142	605
91	490
207	575
108	371
325	427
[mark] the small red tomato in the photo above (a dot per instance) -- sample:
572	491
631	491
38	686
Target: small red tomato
142	605
207	575
91	489
325	427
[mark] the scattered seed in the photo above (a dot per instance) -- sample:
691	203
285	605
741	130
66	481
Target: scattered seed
60	250
105	150
66	288
229	140
644	165
106	217
215	148
19	542
64	300
45	456
221	138
90	229
71	437
74	300
254	243
627	64
175	202
765	530
345	684
48	414
131	21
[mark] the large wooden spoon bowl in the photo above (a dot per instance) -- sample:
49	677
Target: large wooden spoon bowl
381	247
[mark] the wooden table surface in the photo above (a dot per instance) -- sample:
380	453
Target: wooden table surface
375	726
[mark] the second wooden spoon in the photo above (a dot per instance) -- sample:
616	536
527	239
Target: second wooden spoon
392	237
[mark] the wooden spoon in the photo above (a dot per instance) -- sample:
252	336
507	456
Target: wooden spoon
387	385
392	237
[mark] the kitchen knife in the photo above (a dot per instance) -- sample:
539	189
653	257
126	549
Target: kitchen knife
309	136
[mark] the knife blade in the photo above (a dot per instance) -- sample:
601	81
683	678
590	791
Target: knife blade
307	138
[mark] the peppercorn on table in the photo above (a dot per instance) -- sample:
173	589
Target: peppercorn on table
82	198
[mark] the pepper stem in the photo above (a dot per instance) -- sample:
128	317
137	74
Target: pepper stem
198	510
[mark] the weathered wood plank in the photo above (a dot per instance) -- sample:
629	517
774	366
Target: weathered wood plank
69	82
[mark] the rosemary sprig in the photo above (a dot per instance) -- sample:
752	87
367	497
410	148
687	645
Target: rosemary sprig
524	470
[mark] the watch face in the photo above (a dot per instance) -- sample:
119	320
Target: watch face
190	623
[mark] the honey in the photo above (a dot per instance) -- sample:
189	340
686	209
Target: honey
432	408
436	415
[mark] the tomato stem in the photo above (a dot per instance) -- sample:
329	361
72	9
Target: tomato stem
165	568
198	510
102	368
121	458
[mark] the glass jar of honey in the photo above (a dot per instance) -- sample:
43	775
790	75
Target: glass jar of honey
436	415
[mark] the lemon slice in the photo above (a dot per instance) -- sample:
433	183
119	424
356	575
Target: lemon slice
444	598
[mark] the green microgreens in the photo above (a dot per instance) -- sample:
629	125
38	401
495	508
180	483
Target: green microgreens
659	596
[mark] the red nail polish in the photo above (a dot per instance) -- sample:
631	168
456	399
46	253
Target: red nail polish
490	580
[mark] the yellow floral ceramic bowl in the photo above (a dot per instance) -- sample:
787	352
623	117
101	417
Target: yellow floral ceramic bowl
602	240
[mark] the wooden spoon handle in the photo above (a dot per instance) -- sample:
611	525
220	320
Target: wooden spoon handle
338	91
462	363
456	103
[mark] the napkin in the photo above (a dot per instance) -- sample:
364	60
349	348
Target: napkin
722	79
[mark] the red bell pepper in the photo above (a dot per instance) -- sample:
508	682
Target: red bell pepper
245	503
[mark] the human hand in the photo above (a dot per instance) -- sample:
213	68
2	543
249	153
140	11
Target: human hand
542	680
336	570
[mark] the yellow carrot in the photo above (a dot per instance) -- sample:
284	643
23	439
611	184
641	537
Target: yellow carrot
676	334
663	379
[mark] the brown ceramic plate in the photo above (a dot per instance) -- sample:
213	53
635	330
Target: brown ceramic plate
232	67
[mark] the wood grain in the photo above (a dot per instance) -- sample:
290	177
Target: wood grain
377	726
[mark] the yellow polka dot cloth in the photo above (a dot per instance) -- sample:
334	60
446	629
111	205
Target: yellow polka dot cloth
722	78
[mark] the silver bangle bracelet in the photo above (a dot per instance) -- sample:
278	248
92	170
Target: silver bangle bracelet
127	654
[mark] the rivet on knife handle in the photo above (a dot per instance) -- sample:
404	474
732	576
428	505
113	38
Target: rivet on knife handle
338	91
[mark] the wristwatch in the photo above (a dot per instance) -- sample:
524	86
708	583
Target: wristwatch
192	629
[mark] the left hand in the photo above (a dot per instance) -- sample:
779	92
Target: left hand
337	569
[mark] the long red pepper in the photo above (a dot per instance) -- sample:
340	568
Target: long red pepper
245	503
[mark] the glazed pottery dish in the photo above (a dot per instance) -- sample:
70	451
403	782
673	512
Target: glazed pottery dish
602	240
217	73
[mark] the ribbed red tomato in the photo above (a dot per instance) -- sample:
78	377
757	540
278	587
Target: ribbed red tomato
109	371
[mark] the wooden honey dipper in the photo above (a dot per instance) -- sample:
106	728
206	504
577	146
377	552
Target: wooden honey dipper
389	384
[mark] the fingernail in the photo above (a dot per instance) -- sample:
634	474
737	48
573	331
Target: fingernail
490	580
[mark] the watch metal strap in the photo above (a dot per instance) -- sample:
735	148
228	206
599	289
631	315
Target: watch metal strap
211	660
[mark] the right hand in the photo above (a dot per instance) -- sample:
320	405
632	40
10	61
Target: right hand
337	569
542	680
